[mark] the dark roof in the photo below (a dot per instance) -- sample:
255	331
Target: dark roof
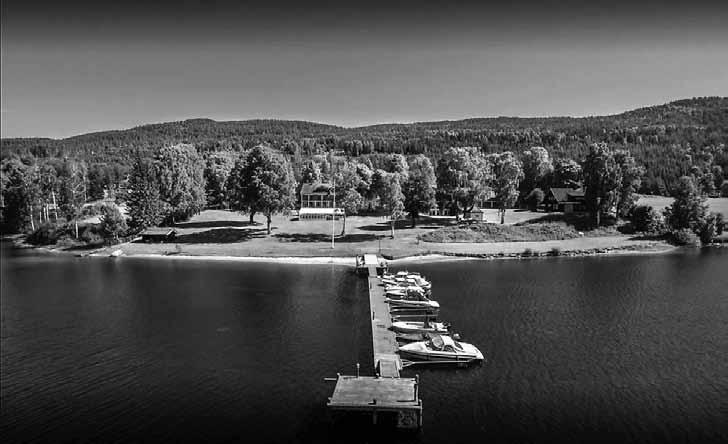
316	188
158	231
567	194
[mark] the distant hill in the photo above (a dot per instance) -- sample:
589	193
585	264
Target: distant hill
659	136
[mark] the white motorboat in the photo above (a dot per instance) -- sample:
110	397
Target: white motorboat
441	348
410	292
421	303
420	327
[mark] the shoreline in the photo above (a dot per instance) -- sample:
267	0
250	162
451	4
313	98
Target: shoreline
403	257
416	258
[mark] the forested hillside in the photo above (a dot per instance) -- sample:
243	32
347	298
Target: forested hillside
668	140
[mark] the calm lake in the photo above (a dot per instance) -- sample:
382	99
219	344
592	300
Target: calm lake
613	349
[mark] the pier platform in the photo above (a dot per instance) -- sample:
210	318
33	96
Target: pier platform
379	395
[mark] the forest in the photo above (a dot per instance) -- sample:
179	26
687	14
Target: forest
168	172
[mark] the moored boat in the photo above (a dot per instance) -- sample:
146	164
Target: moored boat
441	348
413	303
420	327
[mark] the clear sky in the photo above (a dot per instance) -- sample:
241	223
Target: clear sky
74	67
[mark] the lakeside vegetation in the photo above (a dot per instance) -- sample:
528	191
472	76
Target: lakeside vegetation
46	185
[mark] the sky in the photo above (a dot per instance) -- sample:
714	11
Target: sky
70	67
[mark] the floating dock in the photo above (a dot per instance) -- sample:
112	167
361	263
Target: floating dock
385	392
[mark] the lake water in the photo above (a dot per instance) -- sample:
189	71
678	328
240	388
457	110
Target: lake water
613	349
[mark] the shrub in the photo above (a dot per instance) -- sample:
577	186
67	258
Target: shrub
724	189
534	199
684	237
91	237
647	219
112	224
527	252
46	234
712	225
556	251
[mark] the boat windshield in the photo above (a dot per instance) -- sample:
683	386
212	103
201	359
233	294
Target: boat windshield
458	346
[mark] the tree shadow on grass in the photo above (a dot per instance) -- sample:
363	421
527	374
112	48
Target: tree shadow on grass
216	224
319	237
220	236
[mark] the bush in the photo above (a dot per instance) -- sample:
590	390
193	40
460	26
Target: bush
724	189
684	237
534	199
648	220
556	251
91	236
527	252
46	234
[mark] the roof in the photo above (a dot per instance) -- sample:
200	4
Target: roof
305	211
566	194
159	231
371	259
316	188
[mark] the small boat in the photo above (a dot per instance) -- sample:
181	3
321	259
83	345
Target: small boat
441	348
411	292
420	327
412	303
417	337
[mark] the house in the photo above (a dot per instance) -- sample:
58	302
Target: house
567	200
158	234
317	202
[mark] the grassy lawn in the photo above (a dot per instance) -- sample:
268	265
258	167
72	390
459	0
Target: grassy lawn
716	204
228	234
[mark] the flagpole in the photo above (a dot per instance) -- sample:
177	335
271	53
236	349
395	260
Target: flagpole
333	212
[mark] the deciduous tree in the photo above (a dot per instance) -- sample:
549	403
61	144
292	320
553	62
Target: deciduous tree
262	181
419	189
180	173
602	178
464	176
508	173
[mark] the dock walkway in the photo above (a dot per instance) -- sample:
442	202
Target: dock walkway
386	392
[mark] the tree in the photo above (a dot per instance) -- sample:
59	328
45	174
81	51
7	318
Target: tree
689	211
262	181
145	207
310	173
352	184
180	173
17	194
419	189
537	169
391	197
630	182
647	219
534	199
724	189
508	174
72	192
112	222
464	176
567	173
217	170
602	178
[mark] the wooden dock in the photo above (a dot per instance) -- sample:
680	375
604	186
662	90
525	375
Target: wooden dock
386	392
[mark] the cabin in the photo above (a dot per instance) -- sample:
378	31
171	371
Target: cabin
566	200
158	235
317	202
